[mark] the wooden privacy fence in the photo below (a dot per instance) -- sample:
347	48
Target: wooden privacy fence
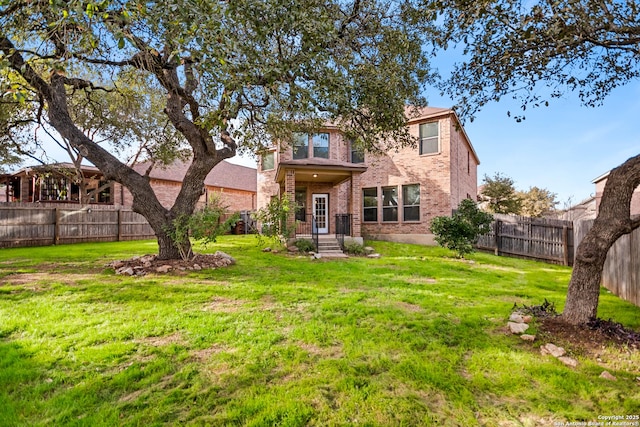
28	225
621	272
549	240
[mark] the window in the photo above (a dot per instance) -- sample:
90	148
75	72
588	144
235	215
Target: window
389	204
429	140
370	204
357	154
411	202
268	161
301	205
300	146
321	145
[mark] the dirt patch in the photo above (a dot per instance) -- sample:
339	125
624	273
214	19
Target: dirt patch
160	341
142	265
226	305
412	308
590	338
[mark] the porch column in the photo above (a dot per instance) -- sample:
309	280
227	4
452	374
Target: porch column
290	193
355	205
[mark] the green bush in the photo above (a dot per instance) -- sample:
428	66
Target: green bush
354	248
305	245
461	231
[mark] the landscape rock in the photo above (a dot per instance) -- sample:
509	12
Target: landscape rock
293	249
197	267
528	337
368	250
517	328
568	361
163	269
267	249
225	256
516	318
373	256
125	271
316	256
608	376
527	319
553	350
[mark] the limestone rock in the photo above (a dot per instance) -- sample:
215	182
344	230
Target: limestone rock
373	256
568	361
528	337
164	268
127	271
517	328
267	249
516	318
608	376
225	256
553	350
368	250
527	319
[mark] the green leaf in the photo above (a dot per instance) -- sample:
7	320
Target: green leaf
121	43
90	10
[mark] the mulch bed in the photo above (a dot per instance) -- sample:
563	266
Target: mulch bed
142	265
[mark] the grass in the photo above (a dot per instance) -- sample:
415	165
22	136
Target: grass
412	338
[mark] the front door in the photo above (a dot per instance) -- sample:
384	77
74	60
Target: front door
321	212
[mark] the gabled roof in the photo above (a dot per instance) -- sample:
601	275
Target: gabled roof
425	113
223	175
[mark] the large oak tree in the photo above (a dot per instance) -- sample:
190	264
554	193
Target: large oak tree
535	51
232	75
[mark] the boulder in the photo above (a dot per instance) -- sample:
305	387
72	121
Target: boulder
553	350
608	376
517	328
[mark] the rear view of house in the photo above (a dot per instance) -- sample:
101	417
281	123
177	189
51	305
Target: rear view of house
392	196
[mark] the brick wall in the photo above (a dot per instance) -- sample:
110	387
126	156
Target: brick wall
167	192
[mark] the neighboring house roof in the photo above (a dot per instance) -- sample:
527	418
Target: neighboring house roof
223	175
54	166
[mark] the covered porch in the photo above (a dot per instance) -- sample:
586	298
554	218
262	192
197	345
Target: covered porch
327	196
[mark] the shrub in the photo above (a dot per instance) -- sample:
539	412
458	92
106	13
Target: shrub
354	248
305	245
461	231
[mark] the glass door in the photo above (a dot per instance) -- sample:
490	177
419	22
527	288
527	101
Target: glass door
321	212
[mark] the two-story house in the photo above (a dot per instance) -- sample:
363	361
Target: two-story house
393	196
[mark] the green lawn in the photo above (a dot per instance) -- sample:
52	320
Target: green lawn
412	338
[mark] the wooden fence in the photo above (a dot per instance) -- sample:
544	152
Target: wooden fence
549	240
29	225
621	273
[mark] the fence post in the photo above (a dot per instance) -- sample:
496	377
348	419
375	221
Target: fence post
496	228
119	216
565	245
56	227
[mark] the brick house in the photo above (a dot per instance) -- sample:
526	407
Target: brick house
235	184
57	184
393	196
600	183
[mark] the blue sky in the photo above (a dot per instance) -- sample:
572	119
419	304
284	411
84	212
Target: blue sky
562	147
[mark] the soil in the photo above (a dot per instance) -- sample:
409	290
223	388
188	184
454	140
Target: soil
142	265
591	338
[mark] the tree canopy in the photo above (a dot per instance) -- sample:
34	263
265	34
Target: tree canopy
207	79
535	51
499	193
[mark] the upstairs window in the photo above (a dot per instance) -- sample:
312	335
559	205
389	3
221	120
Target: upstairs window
370	204
411	202
268	161
389	204
300	146
429	138
357	154
321	145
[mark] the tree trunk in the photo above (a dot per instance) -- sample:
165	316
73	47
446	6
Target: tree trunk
613	221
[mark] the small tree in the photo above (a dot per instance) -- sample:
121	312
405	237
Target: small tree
500	194
204	226
537	202
273	218
461	231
